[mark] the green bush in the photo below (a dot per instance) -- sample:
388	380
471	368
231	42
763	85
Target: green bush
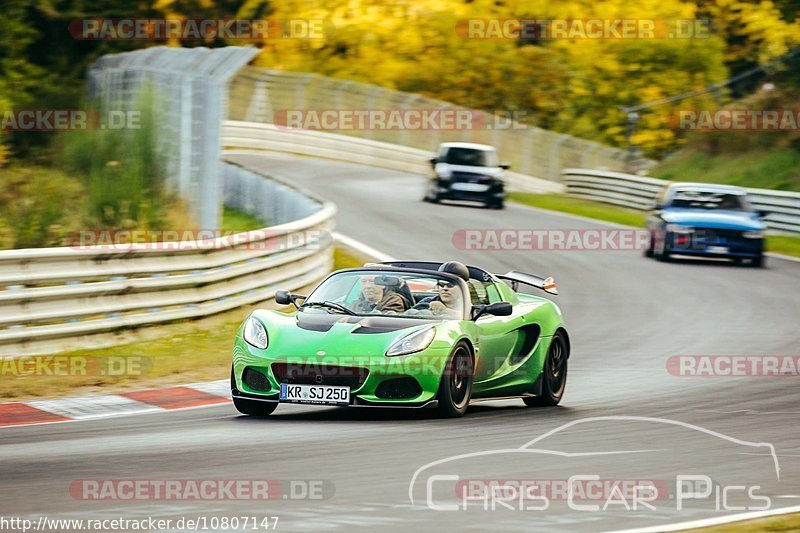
123	171
39	207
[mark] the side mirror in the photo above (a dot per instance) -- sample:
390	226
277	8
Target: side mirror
496	309
658	207
286	298
762	214
433	161
504	166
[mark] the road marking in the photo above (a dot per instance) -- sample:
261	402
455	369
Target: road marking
365	249
708	522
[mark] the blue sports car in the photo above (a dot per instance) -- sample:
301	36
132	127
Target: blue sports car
698	219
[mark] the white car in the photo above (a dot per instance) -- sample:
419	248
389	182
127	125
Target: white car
467	171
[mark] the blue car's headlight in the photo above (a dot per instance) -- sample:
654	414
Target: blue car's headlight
754	234
677	228
415	342
255	333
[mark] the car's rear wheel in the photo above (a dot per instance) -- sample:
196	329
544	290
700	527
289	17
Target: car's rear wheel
251	407
455	389
554	374
496	204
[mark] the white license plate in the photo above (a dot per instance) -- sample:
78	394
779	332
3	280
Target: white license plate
321	394
470	187
717	249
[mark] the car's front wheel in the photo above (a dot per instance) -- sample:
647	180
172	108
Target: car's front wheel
554	374
660	251
455	389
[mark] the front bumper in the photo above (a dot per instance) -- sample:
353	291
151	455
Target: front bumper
449	190
714	243
374	381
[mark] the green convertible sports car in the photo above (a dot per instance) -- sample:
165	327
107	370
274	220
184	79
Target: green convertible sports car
404	334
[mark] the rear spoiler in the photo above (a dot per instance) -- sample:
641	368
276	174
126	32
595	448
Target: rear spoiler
516	277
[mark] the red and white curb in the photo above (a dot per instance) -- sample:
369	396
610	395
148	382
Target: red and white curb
108	405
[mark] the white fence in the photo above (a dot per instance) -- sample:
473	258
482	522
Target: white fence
254	136
782	208
50	296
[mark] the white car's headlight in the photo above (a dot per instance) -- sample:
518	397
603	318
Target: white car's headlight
677	228
415	342
754	234
255	333
443	171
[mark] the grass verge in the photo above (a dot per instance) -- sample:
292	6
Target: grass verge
782	244
785	523
765	169
184	352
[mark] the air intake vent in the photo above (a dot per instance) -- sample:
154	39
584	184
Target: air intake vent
398	389
255	380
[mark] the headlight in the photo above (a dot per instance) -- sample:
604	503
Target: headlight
255	333
414	342
754	234
444	172
677	228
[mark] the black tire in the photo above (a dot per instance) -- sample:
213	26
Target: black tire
648	252
496	205
660	251
254	407
455	389
759	261
251	407
554	374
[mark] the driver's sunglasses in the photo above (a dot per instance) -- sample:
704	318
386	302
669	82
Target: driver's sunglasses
445	284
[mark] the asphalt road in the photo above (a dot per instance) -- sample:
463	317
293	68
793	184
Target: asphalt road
626	315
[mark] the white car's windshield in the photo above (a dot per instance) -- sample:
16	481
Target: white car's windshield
695	199
471	157
388	293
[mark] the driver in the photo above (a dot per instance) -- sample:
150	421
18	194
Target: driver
448	301
376	299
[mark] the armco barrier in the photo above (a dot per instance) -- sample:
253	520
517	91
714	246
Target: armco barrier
50	296
636	192
254	136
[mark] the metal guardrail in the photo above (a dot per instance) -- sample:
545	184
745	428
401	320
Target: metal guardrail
49	295
782	208
253	136
257	93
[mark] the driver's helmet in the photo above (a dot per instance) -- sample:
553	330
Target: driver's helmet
457	268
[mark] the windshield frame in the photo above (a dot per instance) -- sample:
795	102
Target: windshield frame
366	271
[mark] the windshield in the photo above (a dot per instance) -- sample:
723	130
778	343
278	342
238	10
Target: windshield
471	157
709	200
388	293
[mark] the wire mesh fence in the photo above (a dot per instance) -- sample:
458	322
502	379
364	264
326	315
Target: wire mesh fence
260	95
189	86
